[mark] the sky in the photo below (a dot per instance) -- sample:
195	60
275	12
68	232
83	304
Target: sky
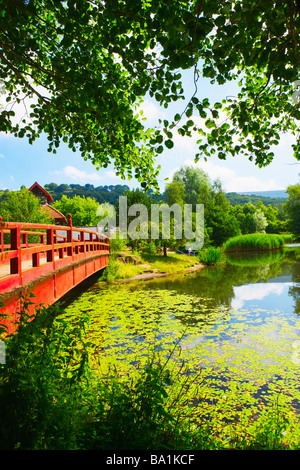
23	164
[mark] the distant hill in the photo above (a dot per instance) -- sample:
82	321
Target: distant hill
281	193
274	198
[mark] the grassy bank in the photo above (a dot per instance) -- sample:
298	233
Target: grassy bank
253	242
148	263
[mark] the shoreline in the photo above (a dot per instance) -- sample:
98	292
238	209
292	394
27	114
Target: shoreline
153	275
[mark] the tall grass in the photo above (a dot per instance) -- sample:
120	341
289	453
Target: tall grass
253	242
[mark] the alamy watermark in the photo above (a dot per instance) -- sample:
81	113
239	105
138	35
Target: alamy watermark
296	94
2	353
182	222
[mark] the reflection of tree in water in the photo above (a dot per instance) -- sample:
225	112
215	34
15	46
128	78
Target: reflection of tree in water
217	283
294	291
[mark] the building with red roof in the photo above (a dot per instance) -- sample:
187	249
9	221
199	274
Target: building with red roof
45	199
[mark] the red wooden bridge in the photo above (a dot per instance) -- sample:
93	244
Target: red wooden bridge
47	260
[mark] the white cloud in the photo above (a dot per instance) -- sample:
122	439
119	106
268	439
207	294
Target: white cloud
256	292
152	111
112	174
79	175
231	182
250	183
1	155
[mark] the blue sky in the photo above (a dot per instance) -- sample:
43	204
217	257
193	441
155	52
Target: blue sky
23	164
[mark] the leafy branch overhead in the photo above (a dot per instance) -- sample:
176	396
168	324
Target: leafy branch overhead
87	65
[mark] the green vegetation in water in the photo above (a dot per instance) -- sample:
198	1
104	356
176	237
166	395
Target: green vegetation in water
129	369
253	242
135	367
248	394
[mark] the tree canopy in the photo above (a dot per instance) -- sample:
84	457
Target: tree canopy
88	64
292	207
23	206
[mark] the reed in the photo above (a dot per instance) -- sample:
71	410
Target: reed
253	242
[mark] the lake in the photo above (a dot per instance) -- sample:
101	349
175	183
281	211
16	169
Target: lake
237	322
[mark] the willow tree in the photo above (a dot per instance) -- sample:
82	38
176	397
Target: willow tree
88	64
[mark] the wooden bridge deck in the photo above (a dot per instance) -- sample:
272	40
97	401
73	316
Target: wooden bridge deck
47	260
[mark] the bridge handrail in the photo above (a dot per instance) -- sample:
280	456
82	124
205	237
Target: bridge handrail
59	249
26	225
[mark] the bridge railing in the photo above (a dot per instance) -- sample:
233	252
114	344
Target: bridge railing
23	260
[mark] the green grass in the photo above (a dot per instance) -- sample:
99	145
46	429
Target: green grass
172	263
253	242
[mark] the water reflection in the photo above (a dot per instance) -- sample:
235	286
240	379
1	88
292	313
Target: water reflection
246	294
269	281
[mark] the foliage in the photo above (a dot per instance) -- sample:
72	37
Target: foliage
117	244
196	183
260	221
23	206
102	194
149	248
254	242
175	193
142	412
88	65
292	207
210	255
241	199
83	210
195	187
42	382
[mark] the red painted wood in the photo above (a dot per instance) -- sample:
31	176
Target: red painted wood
63	258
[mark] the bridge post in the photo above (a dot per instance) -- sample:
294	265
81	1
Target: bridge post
15	244
70	236
82	244
50	241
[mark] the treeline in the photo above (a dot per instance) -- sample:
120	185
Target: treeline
224	217
241	199
101	194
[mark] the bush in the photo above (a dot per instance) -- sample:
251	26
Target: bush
149	248
210	256
42	383
117	245
111	272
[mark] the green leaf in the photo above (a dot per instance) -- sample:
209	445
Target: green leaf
169	143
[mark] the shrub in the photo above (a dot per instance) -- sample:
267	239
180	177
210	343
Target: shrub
111	272
117	244
210	256
149	248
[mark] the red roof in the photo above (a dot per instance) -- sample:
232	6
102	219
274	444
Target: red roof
48	196
54	213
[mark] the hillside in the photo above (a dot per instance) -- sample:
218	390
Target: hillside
273	198
280	193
